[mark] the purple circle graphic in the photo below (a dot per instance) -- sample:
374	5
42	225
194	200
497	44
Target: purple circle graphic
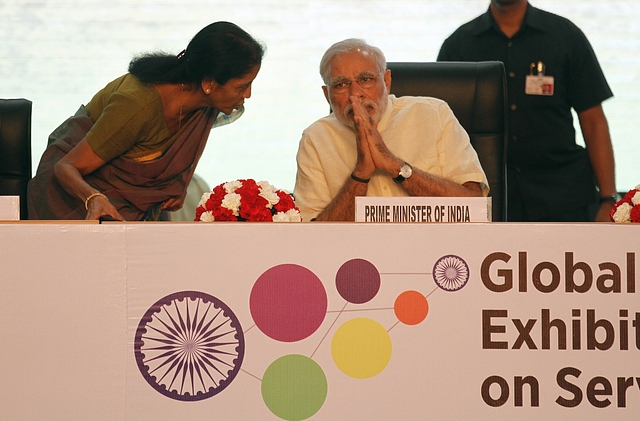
451	273
189	346
288	303
358	281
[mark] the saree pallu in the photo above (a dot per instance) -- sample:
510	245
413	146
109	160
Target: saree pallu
134	188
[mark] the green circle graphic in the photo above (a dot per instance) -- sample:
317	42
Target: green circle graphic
294	387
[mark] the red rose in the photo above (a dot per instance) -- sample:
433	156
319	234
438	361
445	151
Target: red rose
220	213
249	188
627	197
219	191
635	214
199	211
215	199
254	208
285	203
262	215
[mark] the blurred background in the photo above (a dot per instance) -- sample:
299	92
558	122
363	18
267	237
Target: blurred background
58	53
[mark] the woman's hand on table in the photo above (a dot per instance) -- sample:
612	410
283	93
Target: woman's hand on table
99	207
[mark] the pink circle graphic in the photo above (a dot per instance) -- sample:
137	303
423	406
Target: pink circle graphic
288	303
358	281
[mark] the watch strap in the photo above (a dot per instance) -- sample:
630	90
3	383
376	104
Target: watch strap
400	178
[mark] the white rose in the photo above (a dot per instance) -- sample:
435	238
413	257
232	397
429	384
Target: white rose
271	197
294	215
264	185
280	217
231	201
291	215
232	186
269	193
207	217
622	214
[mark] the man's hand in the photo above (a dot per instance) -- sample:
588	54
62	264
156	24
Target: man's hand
420	183
365	166
375	152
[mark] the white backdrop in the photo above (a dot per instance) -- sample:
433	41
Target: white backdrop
58	53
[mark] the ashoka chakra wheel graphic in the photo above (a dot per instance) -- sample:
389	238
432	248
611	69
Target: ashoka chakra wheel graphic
451	273
189	346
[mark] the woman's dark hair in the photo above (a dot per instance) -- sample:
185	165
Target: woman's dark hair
220	51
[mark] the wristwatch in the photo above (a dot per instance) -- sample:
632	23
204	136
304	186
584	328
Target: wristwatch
405	172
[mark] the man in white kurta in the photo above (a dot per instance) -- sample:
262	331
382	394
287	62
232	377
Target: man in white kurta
375	144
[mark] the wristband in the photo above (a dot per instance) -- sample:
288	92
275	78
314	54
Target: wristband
360	180
91	196
609	199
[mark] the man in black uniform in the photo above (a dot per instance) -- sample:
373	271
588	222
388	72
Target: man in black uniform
550	68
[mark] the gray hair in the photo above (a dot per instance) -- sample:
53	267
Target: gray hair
348	45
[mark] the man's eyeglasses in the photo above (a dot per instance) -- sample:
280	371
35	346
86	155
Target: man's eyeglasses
366	81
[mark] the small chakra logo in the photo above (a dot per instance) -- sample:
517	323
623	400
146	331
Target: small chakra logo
189	346
451	273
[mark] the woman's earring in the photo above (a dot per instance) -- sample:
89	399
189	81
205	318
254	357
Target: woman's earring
207	91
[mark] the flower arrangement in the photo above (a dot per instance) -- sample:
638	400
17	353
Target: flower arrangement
246	200
627	209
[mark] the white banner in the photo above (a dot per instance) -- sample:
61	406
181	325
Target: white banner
9	208
422	209
266	321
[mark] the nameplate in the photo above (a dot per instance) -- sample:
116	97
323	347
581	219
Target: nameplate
423	209
9	208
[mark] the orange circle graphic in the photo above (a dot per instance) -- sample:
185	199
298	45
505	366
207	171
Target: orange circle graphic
411	307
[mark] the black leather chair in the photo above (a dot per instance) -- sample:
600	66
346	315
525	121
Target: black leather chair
15	150
477	94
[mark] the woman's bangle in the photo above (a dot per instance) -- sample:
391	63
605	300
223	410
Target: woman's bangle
91	196
360	180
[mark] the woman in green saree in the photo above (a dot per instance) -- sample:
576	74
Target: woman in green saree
130	153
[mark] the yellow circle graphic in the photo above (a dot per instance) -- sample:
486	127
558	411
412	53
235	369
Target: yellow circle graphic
361	348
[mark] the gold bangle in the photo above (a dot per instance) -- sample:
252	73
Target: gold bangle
91	196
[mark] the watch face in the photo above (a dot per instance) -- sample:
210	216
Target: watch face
406	171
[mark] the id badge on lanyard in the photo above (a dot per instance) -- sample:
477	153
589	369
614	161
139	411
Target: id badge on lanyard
538	84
